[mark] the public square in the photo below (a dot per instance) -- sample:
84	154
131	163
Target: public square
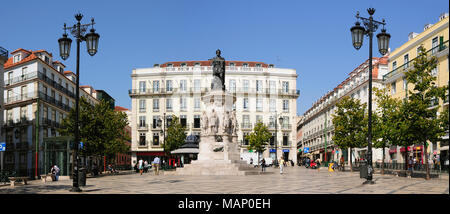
294	180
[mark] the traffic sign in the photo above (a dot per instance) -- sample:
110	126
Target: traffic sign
81	145
2	146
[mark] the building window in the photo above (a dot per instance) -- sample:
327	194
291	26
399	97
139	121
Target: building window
156	86
183	120
232	64
197	121
285	86
245	104
406	60
272	86
394	65
183	105
183	85
16	58
258	65
246	85
197	103
246	120
405	84
197	85
142	86
168	104
434	44
169	85
259	118
142	105
197	64
232	87
23	113
170	65
245	65
142	121
155	122
155	104
259	86
393	88
142	141
285	105
245	141
259	104
272	105
155	139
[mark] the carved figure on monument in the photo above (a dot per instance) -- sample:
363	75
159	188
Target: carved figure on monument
213	123
226	122
234	124
204	120
218	65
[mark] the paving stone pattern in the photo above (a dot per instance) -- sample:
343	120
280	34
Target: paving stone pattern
294	180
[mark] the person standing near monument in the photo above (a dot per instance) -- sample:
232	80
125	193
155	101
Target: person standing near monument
281	165
156	162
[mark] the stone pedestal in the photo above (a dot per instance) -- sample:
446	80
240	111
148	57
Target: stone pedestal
218	147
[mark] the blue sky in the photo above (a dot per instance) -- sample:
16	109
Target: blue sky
312	37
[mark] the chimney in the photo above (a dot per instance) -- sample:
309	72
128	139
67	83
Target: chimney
443	16
412	35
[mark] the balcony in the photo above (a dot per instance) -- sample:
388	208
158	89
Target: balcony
287	127
142	127
437	51
20	98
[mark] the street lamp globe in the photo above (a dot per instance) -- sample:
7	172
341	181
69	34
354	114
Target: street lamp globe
64	46
281	120
383	41
357	35
92	42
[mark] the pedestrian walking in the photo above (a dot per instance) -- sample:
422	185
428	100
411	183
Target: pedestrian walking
251	161
55	172
410	167
263	165
318	164
281	165
141	166
156	162
145	166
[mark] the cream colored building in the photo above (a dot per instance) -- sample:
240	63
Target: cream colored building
34	84
317	125
263	93
434	39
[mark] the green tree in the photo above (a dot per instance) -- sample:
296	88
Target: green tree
385	132
102	130
348	121
420	117
257	140
175	135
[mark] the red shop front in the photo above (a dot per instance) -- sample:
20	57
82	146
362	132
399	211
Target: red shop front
417	152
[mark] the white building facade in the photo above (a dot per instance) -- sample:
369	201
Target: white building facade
263	93
317	125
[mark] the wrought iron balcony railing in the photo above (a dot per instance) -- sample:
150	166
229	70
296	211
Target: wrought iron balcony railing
408	65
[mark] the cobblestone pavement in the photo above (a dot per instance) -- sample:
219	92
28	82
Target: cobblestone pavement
295	180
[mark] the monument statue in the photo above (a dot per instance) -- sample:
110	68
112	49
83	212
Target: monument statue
213	122
204	122
218	65
234	125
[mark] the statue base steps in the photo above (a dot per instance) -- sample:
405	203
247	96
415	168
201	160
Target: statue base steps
219	167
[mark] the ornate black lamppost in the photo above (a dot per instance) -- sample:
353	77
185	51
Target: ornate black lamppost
358	33
78	31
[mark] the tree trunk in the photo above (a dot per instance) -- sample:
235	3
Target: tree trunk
425	149
350	161
382	162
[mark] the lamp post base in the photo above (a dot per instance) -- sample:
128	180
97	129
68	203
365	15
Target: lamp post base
369	182
75	189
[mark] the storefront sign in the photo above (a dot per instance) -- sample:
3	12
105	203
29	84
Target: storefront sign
273	150
285	150
306	150
2	147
